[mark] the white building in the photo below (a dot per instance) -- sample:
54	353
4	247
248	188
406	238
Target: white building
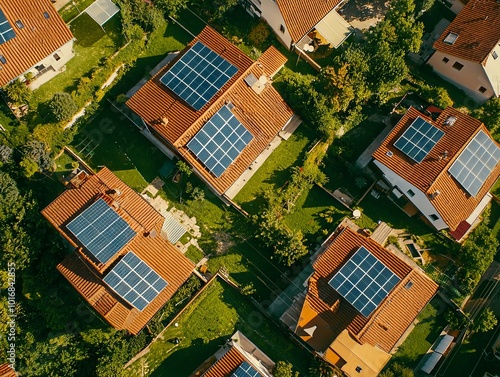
467	53
33	38
441	170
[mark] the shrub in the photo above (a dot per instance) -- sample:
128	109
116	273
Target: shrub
259	34
437	95
18	92
62	106
28	167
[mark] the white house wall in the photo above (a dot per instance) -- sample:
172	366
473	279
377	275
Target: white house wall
492	69
470	78
271	13
420	199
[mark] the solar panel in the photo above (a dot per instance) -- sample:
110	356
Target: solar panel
245	370
418	139
475	163
198	75
220	141
135	281
6	32
364	281
101	230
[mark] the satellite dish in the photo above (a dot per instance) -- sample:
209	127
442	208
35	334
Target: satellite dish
356	213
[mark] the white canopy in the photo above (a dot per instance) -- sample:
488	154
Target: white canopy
102	11
334	28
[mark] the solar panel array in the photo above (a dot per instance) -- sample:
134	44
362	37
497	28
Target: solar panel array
220	141
6	32
245	370
135	281
198	75
101	230
419	139
475	163
364	281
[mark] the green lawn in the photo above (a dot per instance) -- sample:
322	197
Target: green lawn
73	8
194	254
207	324
431	323
275	171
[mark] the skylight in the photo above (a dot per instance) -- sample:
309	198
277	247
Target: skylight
451	38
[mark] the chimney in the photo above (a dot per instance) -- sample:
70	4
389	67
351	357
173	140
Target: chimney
434	194
443	156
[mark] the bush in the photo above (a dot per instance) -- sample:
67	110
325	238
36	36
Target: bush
62	106
18	92
437	95
28	167
259	34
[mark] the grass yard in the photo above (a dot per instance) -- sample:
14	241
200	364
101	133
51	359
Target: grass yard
431	322
194	254
275	171
73	8
306	215
207	324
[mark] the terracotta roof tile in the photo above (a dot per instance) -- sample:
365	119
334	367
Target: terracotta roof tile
86	276
388	322
226	365
6	371
264	114
431	174
302	15
39	38
478	29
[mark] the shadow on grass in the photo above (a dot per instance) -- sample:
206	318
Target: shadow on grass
86	31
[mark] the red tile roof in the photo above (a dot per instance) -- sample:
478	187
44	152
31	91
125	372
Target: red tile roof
331	313
302	15
431	175
226	365
86	274
39	38
264	114
478	29
6	371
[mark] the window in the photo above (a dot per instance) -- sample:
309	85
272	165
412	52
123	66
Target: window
494	54
46	15
410	193
57	57
359	369
434	217
451	38
282	28
458	66
19	24
40	67
446	60
482	89
3	60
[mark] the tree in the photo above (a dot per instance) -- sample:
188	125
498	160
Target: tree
38	152
437	95
28	167
337	84
171	7
5	154
184	168
489	114
485	322
284	369
18	92
62	106
397	370
319	368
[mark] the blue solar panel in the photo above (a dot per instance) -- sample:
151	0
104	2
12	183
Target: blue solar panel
220	141
6	32
101	230
475	163
418	139
364	281
135	281
198	75
245	370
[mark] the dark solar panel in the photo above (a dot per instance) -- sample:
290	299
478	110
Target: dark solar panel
220	141
418	139
245	370
101	230
6	32
475	163
135	281
198	75
364	281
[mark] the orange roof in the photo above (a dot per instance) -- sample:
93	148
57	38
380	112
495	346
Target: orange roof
39	38
302	15
453	203
86	275
226	365
331	313
264	114
477	26
7	371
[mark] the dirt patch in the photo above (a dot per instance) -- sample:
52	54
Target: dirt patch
224	242
363	13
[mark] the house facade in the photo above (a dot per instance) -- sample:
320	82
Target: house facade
34	40
296	22
359	303
441	170
467	53
122	265
222	122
